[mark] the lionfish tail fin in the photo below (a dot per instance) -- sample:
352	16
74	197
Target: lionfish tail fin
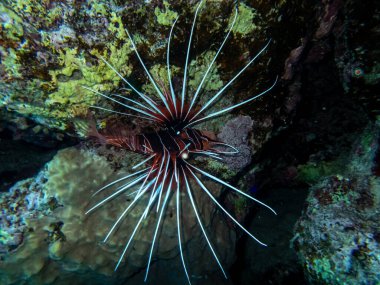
93	132
86	127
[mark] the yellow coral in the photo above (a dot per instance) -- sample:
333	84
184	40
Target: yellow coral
45	13
245	23
116	26
12	28
10	62
70	92
167	16
197	69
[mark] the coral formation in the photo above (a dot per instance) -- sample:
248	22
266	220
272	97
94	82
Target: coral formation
45	232
246	23
21	202
165	17
50	50
49	88
337	238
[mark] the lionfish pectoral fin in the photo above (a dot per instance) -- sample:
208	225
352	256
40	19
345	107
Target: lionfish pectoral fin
216	96
204	188
134	232
200	223
158	225
187	58
178	211
211	64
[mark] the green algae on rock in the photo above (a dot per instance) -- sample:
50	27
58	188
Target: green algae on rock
337	236
166	16
50	51
48	88
246	22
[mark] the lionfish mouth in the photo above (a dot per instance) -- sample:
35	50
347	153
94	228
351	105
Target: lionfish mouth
168	150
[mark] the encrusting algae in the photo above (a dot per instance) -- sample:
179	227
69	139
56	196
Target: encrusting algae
50	50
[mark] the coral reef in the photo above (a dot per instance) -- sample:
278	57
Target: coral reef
44	66
21	202
337	237
50	50
45	233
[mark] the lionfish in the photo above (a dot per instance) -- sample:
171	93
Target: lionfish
168	150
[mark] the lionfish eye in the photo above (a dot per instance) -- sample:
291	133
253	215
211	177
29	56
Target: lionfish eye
178	132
